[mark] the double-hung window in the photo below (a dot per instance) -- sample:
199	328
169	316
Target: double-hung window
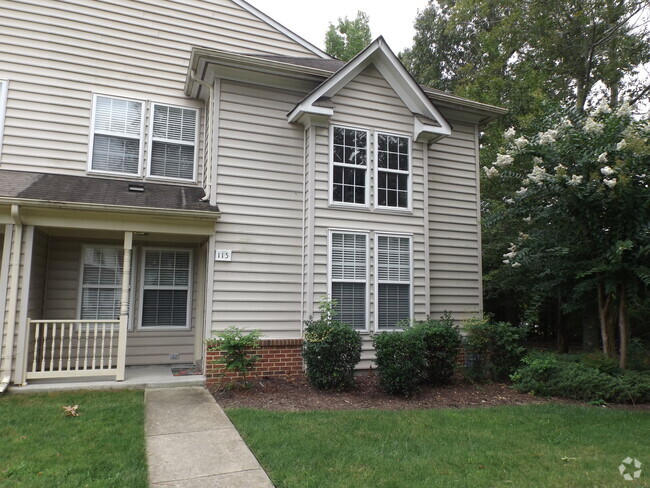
166	278
172	151
3	105
349	277
393	171
394	283
117	133
349	166
101	283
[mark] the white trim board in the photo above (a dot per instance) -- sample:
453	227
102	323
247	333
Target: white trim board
276	25
4	89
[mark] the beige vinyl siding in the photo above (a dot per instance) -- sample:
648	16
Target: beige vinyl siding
143	346
57	53
259	192
454	242
368	102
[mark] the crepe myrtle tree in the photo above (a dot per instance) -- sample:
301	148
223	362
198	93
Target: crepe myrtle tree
583	211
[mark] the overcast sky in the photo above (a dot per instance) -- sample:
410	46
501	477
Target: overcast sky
308	19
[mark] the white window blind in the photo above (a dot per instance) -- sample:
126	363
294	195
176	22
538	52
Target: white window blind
173	142
117	133
393	280
101	283
349	277
349	165
393	171
166	285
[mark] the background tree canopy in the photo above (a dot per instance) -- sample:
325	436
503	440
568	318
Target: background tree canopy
349	37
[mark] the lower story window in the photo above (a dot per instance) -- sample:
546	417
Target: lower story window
166	288
348	277
101	288
393	280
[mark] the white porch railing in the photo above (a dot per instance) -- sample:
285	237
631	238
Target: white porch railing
75	348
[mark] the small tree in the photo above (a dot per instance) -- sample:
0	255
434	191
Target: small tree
348	38
583	208
236	347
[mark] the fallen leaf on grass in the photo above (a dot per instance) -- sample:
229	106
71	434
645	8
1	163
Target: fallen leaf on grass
71	411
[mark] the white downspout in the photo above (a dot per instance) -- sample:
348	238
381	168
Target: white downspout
13	299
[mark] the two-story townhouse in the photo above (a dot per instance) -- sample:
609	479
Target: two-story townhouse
175	167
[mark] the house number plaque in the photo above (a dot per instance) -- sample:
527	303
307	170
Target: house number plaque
223	255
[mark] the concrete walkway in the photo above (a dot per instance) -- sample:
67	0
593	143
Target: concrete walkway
191	443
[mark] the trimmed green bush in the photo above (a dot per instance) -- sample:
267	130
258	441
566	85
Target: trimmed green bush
575	378
236	346
493	351
401	363
442	342
331	351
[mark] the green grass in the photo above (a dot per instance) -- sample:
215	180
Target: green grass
531	446
103	447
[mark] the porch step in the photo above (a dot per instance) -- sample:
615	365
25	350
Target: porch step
136	377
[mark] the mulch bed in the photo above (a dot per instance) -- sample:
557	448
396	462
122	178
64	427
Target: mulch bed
296	395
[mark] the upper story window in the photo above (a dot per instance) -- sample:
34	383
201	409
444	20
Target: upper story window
349	165
393	171
173	142
117	135
3	104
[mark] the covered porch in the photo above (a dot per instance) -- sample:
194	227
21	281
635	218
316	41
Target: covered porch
104	290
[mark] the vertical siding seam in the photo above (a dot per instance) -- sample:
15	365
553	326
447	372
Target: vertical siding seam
21	342
427	236
311	216
4	280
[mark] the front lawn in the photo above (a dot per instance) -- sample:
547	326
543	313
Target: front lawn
102	447
520	446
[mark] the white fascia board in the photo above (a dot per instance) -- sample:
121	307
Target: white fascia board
276	25
380	55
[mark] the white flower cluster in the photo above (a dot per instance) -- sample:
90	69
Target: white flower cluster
521	142
603	108
602	158
511	255
611	183
565	123
621	145
503	160
575	180
548	137
521	190
510	133
538	175
607	171
593	127
490	171
625	110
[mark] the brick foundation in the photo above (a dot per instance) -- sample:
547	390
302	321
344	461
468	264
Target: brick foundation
278	357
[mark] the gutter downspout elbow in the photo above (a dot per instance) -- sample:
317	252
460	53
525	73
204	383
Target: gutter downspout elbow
16	251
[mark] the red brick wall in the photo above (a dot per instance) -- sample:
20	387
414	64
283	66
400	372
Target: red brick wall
278	357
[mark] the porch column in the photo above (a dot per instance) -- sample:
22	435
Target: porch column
124	306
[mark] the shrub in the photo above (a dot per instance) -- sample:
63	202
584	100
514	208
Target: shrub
494	350
638	355
400	358
331	351
442	341
548	375
236	347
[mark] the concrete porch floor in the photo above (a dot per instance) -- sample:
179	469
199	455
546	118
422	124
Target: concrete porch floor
135	377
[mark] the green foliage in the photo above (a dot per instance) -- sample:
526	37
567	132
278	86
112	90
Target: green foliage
331	351
401	361
236	347
348	38
493	350
580	379
638	355
442	342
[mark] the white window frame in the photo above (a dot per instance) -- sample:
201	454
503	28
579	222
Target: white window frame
409	207
4	89
367	280
91	141
132	276
368	166
377	282
190	282
151	140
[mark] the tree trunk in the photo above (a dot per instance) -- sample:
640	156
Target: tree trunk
590	330
562	339
606	322
622	326
581	94
613	94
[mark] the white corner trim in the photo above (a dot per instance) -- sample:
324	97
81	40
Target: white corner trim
4	86
276	25
379	54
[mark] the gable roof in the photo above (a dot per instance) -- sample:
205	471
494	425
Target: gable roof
292	35
384	60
